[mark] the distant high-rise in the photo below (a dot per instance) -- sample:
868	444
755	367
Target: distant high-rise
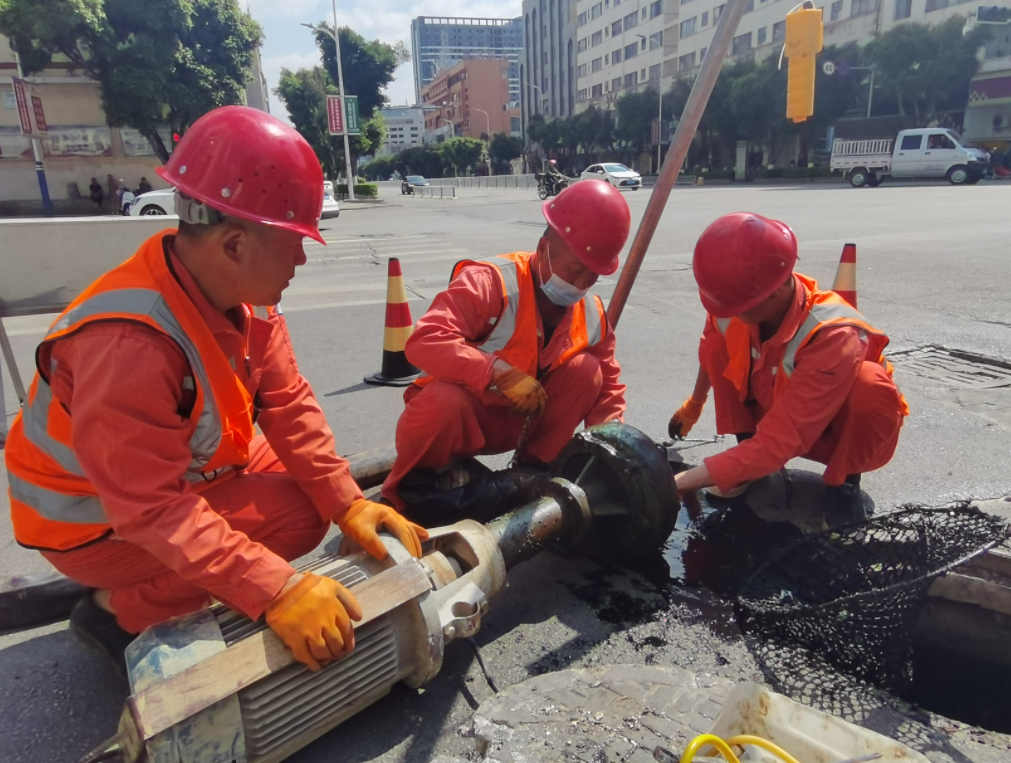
437	43
548	73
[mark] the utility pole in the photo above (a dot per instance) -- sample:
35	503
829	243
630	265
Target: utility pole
344	107
40	167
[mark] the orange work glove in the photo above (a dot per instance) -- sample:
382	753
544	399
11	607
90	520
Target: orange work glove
524	392
313	619
685	418
363	518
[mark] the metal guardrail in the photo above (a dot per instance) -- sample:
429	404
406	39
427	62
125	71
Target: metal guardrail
444	192
493	181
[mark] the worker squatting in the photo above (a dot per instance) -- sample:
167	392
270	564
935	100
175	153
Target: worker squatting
135	467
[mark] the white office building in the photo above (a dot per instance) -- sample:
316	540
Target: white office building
405	128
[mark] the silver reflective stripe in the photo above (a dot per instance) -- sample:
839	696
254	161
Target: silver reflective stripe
506	326
35	419
594	326
146	302
722	324
819	314
59	507
261	312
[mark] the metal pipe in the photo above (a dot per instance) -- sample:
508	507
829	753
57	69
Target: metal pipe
683	136
522	533
370	468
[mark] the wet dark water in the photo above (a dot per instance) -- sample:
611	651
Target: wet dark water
969	689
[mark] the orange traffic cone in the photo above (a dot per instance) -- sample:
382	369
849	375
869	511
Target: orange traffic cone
845	284
396	371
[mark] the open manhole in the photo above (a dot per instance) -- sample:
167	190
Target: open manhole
960	369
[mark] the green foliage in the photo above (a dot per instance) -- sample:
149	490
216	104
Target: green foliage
159	63
425	161
636	114
368	66
926	68
362	190
461	154
380	168
502	150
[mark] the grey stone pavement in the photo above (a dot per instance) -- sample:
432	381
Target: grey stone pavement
934	264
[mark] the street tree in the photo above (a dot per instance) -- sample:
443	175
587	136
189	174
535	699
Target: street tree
502	150
459	154
368	66
157	64
423	161
926	69
636	113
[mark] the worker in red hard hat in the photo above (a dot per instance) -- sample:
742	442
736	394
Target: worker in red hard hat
516	353
134	466
795	370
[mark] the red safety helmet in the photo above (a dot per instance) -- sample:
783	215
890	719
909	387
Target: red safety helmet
593	219
740	259
245	163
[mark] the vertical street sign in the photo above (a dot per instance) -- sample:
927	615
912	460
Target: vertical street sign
21	96
352	115
41	128
335	114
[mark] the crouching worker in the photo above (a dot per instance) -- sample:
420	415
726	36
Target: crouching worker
795	370
134	467
516	354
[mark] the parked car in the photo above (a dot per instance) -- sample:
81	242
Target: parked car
924	153
411	182
161	202
330	206
617	175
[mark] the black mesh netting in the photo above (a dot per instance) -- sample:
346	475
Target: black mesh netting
853	597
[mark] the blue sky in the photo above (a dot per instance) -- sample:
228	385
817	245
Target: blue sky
287	44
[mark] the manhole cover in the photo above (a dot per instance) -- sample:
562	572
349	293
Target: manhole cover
965	370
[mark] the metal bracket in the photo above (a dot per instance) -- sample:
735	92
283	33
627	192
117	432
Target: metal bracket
19	387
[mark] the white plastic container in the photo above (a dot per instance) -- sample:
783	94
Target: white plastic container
809	735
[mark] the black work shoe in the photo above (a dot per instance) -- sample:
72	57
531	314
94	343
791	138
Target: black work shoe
99	630
844	504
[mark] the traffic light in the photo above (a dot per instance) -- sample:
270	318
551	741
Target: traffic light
804	33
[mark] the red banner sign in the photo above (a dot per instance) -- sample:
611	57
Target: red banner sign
40	115
335	114
21	96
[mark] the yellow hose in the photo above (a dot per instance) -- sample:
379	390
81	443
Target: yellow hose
723	747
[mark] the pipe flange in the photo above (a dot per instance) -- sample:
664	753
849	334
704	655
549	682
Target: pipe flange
577	516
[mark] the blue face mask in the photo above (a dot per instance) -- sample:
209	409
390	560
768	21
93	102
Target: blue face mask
559	292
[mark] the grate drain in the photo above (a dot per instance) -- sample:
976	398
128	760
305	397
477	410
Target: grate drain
964	370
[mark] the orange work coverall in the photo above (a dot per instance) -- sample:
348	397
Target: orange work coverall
172	549
456	415
838	409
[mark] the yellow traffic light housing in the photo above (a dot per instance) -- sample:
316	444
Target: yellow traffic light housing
804	39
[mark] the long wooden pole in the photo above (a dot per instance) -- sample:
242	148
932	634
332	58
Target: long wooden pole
687	126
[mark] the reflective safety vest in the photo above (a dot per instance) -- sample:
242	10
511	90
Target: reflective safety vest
821	309
53	504
513	337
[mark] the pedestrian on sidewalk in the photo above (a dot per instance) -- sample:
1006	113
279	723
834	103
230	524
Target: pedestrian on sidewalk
97	195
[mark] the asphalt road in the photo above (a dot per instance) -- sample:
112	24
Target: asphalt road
933	269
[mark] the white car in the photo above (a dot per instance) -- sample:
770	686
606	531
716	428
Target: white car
616	174
162	202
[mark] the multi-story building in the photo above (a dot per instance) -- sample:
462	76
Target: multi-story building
548	69
405	128
438	43
473	98
634	44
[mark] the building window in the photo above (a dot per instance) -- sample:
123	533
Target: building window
686	62
631	51
717	12
656	40
644	10
581	95
702	55
596	64
597	91
779	31
607	59
631	79
616	28
903	9
642	44
655	9
936	5
654	72
631	20
761	36
581	19
742	44
749	6
581	70
836	10
688	27
596	38
581	45
596	10
616	84
616	56
705	19
863	7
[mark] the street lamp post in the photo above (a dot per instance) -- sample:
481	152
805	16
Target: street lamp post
40	167
870	92
487	120
340	85
659	118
